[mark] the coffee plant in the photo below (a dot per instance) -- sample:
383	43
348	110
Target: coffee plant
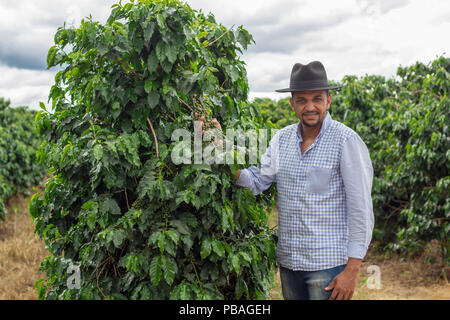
18	145
135	224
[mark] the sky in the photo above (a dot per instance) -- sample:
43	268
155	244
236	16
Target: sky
350	37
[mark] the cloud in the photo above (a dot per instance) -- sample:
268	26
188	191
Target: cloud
380	7
291	35
24	86
349	36
27	27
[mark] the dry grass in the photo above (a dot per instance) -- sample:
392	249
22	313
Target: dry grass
21	252
401	279
405	279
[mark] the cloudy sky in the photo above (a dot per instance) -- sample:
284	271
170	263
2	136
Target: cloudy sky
349	36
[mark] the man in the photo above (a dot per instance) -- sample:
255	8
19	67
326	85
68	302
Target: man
324	177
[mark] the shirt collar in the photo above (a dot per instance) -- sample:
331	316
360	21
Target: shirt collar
325	124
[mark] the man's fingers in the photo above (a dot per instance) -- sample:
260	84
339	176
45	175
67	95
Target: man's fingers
217	124
331	285
349	295
339	296
333	295
198	117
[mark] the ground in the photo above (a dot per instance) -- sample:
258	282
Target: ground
21	252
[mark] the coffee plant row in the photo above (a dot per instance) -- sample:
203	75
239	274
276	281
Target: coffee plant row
18	145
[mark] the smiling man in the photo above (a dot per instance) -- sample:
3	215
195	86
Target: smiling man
324	178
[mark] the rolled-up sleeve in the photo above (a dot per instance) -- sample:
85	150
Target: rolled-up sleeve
258	179
357	174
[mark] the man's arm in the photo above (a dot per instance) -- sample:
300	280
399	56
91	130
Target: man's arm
259	179
357	173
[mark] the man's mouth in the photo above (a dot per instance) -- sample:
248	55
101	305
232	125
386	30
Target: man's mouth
310	115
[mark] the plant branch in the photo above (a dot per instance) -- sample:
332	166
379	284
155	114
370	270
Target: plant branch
154	136
126	198
168	116
183	102
209	44
128	67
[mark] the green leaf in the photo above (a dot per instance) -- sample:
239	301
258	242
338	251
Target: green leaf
173	236
153	238
161	242
167	67
175	293
148	86
110	206
241	288
148	32
246	256
116	109
161	50
152	62
170	269
202	34
171	53
155	271
118	237
181	226
98	152
185	292
153	99
115	105
147	184
236	263
218	248
132	263
161	20
206	248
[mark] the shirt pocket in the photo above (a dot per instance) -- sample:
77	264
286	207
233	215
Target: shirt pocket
318	180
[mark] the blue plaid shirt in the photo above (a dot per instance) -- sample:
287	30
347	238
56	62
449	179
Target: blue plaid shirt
325	210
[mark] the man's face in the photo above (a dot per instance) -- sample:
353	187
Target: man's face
311	106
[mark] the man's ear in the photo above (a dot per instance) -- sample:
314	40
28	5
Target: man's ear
329	98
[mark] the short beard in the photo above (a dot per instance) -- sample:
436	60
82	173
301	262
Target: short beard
319	122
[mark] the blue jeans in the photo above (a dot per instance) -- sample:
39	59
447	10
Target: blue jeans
307	285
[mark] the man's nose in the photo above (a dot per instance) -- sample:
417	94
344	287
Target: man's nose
309	106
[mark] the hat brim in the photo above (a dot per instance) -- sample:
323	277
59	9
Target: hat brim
309	89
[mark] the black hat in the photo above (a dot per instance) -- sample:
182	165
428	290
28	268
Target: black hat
308	77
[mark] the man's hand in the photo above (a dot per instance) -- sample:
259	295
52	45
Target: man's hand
218	142
343	285
214	121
